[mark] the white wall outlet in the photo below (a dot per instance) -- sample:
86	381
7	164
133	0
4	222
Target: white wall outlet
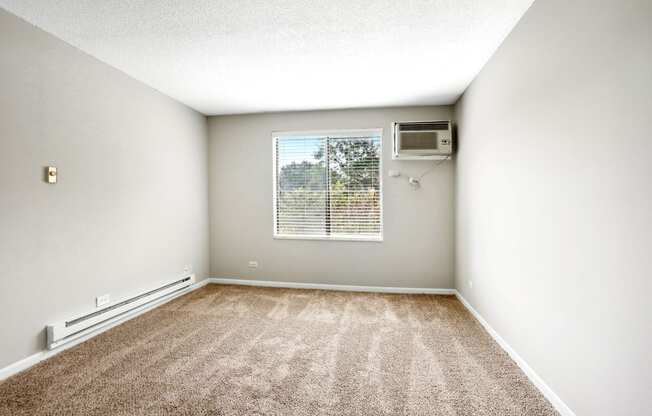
187	269
253	264
471	284
102	300
394	173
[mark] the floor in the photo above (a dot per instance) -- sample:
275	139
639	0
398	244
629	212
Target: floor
235	350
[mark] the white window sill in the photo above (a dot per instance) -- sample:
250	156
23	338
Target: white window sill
333	238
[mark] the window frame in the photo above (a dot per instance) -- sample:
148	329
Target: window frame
335	133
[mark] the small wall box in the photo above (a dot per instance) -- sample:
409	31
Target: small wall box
51	174
422	140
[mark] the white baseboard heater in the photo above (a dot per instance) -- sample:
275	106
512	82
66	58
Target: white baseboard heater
64	332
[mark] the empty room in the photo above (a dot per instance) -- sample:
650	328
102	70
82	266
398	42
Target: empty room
292	207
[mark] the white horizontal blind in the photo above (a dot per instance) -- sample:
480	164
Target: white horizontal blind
328	186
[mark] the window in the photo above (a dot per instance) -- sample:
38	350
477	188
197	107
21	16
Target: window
328	186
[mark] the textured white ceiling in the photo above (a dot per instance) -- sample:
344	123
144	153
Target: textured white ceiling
244	56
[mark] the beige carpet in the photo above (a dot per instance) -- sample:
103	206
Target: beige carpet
229	350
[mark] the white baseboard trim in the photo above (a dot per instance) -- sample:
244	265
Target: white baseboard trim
322	286
28	362
548	393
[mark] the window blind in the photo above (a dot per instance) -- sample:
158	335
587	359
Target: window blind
328	186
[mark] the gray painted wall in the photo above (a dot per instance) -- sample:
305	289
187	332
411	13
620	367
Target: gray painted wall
130	208
417	250
554	200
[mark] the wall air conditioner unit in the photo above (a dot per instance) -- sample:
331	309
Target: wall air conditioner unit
422	140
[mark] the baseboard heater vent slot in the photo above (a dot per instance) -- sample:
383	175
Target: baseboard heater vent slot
61	333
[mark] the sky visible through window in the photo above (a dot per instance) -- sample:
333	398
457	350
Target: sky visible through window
298	149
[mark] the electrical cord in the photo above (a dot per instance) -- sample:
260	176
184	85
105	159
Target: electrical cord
416	182
433	167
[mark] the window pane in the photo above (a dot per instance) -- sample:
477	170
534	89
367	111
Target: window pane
355	186
302	186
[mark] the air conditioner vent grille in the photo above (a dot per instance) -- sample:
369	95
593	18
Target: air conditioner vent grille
423	126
